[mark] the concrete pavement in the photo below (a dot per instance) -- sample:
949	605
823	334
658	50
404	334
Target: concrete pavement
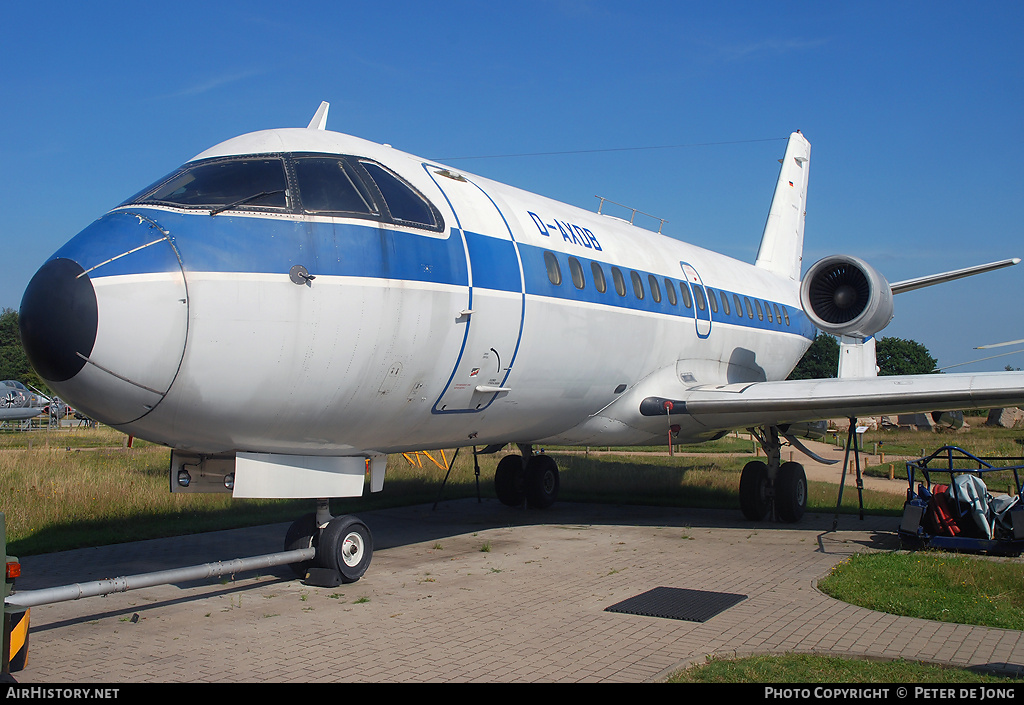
481	592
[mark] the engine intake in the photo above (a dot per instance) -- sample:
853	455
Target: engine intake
844	295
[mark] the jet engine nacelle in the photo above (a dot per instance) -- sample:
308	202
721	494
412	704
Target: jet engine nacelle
844	295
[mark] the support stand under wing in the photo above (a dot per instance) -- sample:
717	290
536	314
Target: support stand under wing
851	440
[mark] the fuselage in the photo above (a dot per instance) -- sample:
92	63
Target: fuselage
17	403
302	291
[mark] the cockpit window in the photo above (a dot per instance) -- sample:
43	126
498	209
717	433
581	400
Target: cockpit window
256	184
405	204
328	185
309	182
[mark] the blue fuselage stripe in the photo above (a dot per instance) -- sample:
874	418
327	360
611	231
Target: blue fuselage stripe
228	243
494	263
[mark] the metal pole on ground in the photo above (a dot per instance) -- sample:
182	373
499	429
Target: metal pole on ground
842	479
63	593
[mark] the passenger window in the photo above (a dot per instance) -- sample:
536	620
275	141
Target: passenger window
599	283
554	271
725	303
768	310
760	313
698	295
712	300
670	289
684	290
786	314
576	271
655	289
739	305
619	281
638	285
328	185
405	204
778	316
750	309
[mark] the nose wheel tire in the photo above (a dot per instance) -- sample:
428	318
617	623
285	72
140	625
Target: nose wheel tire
346	546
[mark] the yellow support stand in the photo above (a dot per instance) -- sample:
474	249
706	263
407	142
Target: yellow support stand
416	459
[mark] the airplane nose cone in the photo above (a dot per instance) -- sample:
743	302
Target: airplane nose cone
104	321
58	319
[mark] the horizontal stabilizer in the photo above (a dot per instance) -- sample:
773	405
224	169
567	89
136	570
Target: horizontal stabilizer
921	282
1000	345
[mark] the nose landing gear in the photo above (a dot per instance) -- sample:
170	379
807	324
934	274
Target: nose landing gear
344	547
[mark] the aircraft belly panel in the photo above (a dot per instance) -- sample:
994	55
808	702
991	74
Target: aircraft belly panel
259	475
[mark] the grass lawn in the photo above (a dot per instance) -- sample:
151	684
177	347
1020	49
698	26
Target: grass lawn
73	488
82	487
808	668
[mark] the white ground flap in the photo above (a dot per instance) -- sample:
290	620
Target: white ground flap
270	476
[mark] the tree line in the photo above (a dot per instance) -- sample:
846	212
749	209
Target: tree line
14	362
893	356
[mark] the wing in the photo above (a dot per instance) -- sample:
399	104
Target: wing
792	401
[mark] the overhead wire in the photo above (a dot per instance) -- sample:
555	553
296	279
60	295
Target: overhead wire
983	359
609	149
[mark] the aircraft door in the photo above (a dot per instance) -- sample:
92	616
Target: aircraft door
493	317
701	308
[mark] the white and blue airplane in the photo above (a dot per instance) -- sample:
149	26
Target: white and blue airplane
291	305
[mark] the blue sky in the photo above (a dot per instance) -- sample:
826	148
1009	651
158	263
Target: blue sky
915	111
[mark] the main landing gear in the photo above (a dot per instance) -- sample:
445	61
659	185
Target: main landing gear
527	477
774	489
344	547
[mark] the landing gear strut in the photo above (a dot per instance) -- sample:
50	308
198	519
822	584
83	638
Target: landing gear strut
774	488
527	477
344	547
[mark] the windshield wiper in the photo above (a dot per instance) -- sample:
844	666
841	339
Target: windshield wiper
247	199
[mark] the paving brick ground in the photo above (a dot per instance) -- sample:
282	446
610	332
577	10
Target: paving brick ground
435	606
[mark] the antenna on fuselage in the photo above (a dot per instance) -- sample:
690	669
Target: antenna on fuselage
319	121
633	212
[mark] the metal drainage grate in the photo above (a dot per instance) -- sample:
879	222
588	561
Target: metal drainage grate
678	603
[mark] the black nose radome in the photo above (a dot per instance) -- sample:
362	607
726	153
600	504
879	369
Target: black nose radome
58	319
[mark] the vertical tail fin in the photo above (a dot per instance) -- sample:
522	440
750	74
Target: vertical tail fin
319	121
782	244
